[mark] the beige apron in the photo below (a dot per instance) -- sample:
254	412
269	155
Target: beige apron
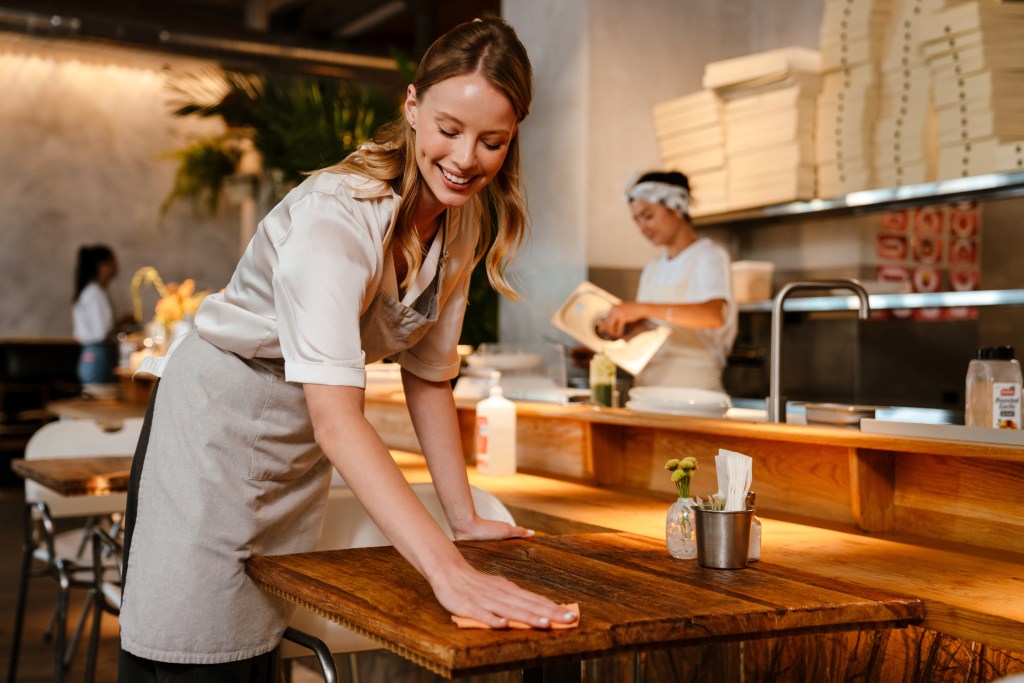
232	470
684	361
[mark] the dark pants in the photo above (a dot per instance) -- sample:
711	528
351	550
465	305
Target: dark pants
132	669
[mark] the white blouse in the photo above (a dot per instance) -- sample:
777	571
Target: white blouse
315	264
92	316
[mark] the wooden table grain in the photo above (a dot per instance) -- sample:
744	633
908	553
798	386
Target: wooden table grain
632	595
85	476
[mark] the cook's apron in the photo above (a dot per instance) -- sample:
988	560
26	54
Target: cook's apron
684	361
231	470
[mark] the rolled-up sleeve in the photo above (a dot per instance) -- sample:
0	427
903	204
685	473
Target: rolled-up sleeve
328	262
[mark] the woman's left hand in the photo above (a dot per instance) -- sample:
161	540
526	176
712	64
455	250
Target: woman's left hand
490	530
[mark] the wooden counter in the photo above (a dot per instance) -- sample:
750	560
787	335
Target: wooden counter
970	593
942	490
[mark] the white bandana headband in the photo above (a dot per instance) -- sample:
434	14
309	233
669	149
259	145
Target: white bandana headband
674	197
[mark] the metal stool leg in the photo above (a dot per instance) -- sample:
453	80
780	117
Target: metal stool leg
323	655
19	614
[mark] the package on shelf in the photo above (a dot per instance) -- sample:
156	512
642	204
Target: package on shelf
1010	157
851	52
983	86
781	187
708	184
971	158
761	68
689	132
904	41
836	178
972	17
961	123
710	192
695	161
774	128
912	173
903	129
691	141
847	109
853	18
698	110
767	161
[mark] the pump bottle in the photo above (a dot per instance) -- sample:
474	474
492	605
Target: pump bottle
496	432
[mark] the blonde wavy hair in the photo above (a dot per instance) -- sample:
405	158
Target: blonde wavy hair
488	47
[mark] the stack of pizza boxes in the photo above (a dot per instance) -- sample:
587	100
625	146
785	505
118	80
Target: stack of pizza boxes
769	102
904	138
852	39
975	52
691	140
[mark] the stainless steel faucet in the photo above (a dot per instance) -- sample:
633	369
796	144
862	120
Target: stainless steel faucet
776	405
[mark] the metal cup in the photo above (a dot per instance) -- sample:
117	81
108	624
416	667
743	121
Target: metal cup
723	538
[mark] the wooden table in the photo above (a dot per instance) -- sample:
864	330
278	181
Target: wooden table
632	596
85	476
108	413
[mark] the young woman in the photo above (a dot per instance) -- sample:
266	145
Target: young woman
365	260
688	287
93	317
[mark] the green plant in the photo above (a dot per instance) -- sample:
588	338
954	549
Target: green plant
682	471
295	124
202	168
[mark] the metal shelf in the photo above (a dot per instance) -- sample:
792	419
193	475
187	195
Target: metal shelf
993	186
883	302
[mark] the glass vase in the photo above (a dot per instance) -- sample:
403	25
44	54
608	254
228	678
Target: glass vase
680	523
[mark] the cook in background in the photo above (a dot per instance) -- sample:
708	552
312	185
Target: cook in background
368	259
92	318
688	287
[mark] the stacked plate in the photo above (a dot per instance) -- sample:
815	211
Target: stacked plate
679	401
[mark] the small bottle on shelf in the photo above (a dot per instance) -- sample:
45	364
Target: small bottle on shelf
496	432
994	389
754	549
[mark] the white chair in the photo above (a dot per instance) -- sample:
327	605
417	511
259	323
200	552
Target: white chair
65	556
347	525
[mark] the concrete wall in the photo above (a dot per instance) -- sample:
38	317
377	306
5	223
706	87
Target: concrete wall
599	67
83	131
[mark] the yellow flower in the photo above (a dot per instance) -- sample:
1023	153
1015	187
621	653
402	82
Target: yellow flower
180	300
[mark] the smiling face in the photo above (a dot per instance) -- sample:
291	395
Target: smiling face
463	129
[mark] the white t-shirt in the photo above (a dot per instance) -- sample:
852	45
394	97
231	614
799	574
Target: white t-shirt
92	316
316	262
697	274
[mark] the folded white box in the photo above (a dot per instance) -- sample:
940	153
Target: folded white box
967	159
837	179
711	158
993	86
907	174
1010	156
966	17
760	68
692	141
699	110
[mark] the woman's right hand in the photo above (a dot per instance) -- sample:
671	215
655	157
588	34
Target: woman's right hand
493	600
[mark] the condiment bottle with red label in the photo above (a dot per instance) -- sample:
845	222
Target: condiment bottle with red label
994	389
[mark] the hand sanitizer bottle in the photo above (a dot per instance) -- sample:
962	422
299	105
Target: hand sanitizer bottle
496	432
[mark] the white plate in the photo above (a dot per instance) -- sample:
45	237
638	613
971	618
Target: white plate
705	410
685	395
